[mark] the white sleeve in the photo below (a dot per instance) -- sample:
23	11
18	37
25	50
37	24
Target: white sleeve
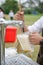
2	15
37	26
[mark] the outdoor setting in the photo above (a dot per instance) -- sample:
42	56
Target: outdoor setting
21	32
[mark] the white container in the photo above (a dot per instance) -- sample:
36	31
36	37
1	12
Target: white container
25	43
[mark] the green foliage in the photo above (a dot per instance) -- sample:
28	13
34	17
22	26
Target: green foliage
27	11
10	5
40	7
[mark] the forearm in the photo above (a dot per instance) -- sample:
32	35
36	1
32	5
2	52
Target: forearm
37	26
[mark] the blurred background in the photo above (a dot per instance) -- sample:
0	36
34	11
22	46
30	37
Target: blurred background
33	10
29	6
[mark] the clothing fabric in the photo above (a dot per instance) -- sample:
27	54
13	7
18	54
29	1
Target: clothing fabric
1	15
37	26
11	14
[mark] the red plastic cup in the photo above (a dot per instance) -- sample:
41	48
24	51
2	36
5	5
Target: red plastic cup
10	34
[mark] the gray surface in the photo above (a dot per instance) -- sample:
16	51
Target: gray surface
19	59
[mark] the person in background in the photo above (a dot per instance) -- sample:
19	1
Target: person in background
2	13
11	14
35	37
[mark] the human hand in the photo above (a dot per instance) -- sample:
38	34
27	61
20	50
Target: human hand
26	29
19	16
35	38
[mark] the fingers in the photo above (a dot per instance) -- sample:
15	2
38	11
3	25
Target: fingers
20	12
33	34
25	29
32	38
19	16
